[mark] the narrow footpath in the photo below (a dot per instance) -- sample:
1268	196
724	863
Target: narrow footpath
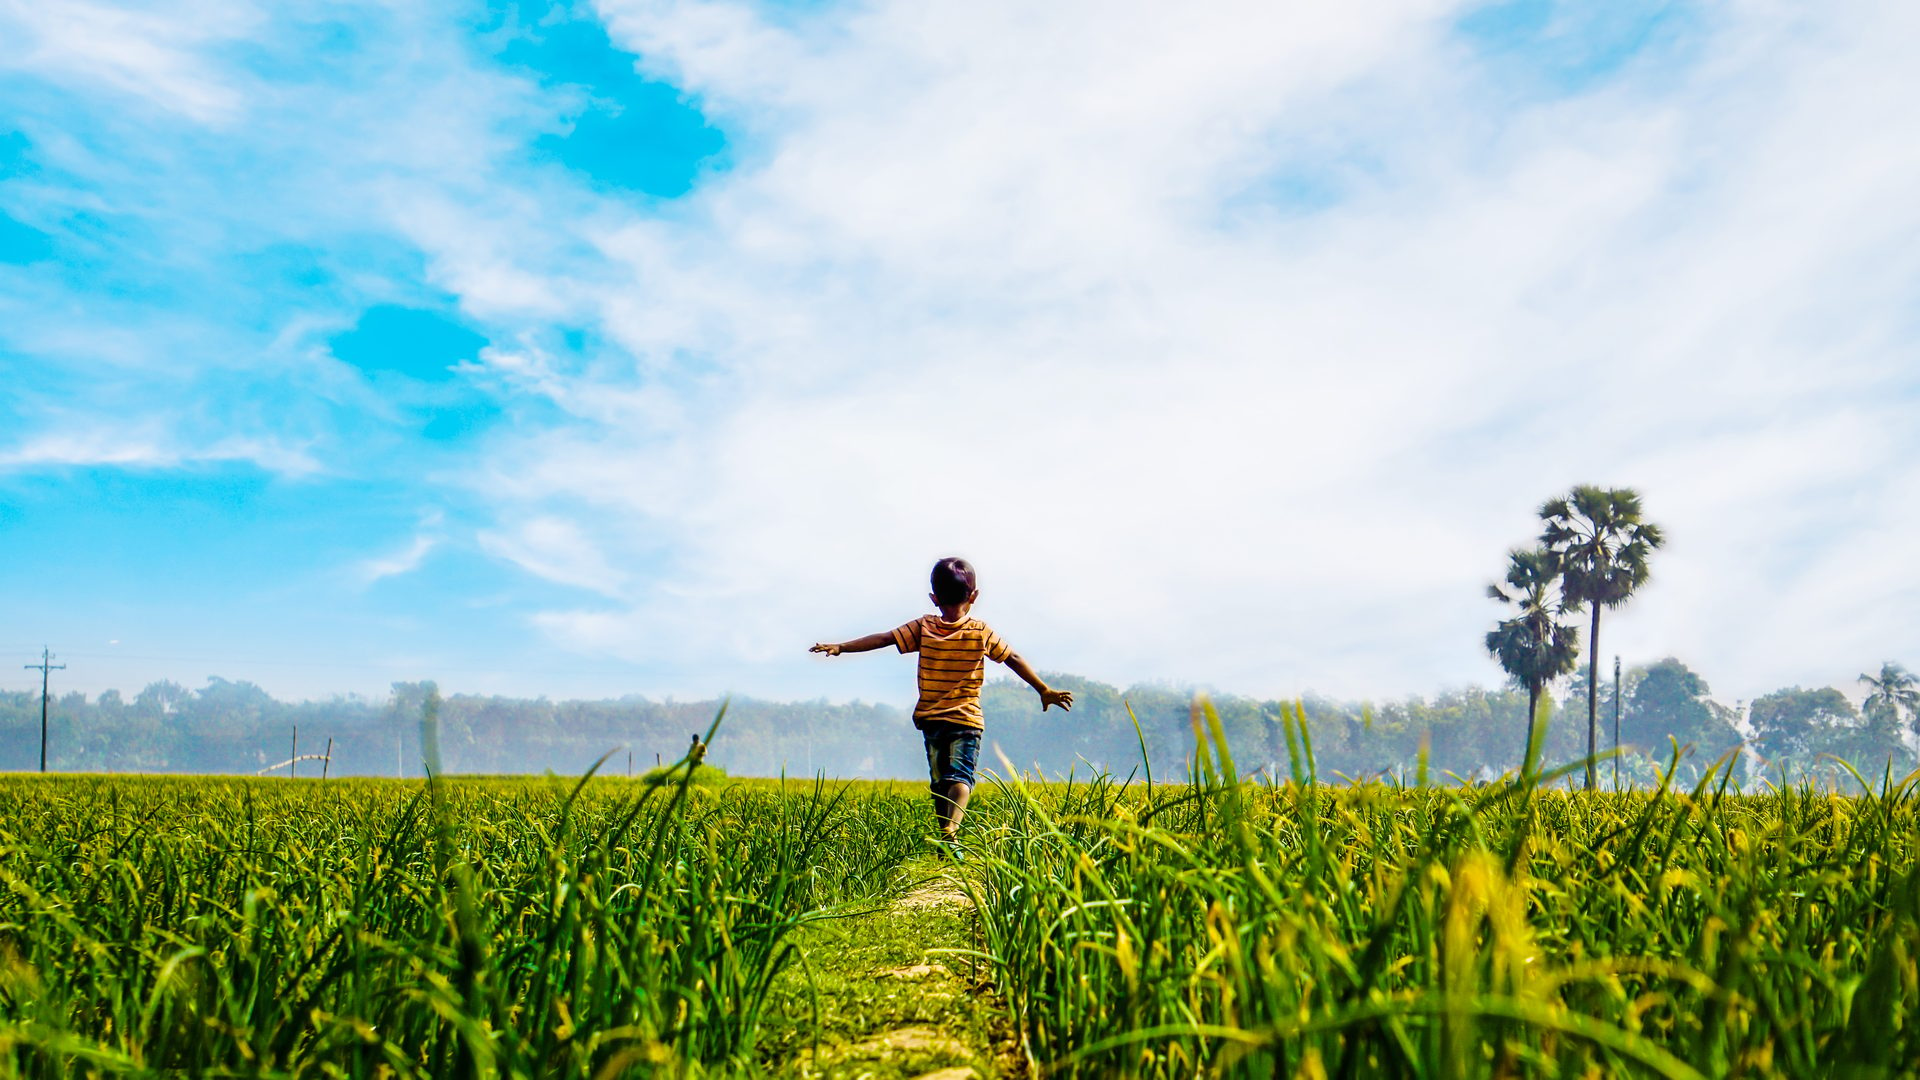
895	1001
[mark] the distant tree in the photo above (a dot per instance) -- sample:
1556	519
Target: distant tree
1893	702
161	698
1796	723
1672	700
1533	646
234	701
1895	691
404	710
1600	546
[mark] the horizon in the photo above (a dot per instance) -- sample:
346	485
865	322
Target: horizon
901	700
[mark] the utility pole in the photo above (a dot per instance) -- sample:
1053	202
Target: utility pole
1616	723
45	665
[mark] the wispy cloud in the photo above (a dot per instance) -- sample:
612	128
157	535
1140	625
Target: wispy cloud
149	57
108	446
426	539
1234	343
1030	295
400	562
558	550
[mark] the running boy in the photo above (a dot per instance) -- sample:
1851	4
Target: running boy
954	649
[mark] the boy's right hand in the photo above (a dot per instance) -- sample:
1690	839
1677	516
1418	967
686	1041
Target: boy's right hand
1062	698
830	650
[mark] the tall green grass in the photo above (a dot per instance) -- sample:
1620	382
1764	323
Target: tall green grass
601	928
1297	929
377	928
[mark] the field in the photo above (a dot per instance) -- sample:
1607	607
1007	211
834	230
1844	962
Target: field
607	927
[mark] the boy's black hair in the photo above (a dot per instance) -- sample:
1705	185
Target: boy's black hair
953	581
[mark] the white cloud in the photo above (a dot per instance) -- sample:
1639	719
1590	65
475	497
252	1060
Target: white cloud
198	274
1004	280
558	550
407	559
149	56
145	447
404	561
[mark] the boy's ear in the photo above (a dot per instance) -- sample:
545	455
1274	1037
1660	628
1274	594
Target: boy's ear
935	599
973	597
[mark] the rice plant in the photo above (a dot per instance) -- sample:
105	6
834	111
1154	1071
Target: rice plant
605	928
510	928
1298	929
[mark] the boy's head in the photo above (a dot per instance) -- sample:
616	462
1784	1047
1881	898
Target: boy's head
953	583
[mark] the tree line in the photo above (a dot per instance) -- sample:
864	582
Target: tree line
232	726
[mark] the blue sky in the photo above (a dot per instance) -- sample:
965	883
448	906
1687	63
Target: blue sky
620	348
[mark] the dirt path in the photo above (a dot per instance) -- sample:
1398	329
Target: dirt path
896	1000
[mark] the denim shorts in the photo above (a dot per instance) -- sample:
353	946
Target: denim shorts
952	752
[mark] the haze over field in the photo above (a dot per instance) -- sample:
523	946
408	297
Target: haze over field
229	726
590	349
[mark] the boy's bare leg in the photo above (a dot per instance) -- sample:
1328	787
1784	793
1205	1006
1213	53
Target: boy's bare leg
949	807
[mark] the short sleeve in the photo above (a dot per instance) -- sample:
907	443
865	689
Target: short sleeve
907	638
997	650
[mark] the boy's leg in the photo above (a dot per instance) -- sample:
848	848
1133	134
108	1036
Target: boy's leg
950	763
936	769
952	807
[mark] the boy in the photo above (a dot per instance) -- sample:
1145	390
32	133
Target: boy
953	652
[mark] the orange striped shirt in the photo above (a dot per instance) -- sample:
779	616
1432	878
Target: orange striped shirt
953	658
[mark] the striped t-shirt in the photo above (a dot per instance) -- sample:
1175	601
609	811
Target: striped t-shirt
953	658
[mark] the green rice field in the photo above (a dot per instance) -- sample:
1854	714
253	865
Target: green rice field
1104	927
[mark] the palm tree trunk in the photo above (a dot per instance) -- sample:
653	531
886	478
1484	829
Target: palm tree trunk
1593	697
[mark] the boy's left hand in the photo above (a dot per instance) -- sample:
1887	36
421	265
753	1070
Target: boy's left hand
1062	698
833	650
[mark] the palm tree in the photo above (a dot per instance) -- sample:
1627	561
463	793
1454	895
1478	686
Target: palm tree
1895	691
1534	646
1895	694
1600	546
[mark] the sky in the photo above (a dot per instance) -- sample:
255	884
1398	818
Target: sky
631	347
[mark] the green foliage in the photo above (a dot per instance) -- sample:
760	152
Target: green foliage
615	928
1533	647
1470	732
517	928
892	991
1793	724
1670	700
1297	930
1893	702
1895	690
1600	543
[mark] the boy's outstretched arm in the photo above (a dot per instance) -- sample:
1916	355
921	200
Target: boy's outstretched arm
859	644
1048	697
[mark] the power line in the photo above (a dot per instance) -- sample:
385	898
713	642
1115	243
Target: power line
45	665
